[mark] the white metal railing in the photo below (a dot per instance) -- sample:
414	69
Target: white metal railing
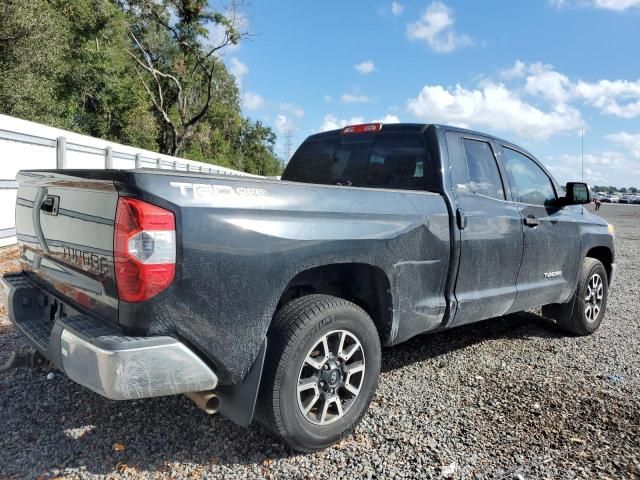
28	145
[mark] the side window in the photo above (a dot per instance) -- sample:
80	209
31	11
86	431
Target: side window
316	161
533	185
484	176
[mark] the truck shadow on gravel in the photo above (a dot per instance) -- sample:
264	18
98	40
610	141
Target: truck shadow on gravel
431	346
57	426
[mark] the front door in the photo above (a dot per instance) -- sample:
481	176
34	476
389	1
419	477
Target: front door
490	230
551	260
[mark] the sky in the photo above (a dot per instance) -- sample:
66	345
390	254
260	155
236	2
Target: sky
535	72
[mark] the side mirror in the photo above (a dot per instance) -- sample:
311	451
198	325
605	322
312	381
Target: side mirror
578	193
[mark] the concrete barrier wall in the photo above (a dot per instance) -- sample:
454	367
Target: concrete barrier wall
29	145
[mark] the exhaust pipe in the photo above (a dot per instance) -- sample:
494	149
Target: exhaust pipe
207	401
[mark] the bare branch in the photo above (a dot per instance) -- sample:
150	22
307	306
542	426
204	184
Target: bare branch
158	107
195	85
155	72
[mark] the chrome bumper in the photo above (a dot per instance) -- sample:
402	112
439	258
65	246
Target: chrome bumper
144	367
98	356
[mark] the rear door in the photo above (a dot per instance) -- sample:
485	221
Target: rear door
551	259
65	228
490	229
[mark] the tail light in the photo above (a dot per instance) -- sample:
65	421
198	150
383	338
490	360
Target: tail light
362	128
145	249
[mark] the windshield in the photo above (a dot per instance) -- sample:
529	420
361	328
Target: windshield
384	160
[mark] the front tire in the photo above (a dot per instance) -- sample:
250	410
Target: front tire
321	371
583	314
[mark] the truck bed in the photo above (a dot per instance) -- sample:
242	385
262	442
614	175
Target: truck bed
233	237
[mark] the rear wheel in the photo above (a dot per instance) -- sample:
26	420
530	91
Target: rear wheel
583	314
321	371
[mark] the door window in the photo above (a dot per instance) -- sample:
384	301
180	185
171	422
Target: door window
484	176
532	183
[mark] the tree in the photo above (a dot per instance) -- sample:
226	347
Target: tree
30	74
175	65
64	63
633	190
76	64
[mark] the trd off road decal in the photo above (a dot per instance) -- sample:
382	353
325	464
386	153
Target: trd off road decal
206	190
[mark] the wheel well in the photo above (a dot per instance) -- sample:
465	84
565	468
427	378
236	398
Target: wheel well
605	256
365	285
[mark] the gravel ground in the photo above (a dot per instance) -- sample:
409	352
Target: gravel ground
510	398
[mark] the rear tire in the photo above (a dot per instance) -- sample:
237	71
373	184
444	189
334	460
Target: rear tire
320	373
583	314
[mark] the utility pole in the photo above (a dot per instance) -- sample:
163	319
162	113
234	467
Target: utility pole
288	144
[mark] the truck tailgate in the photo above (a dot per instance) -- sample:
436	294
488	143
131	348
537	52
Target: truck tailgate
65	226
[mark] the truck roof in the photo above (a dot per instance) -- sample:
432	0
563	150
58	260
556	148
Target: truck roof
412	127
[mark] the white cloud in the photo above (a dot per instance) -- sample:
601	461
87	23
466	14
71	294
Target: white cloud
365	67
284	124
615	5
620	98
630	141
618	5
600	168
436	27
238	69
493	106
547	83
328	98
252	101
354	98
216	33
518	70
397	9
292	108
387	119
331	122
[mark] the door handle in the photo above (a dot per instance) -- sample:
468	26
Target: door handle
461	218
50	204
531	221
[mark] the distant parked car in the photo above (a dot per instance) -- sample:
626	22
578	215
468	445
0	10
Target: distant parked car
614	199
606	200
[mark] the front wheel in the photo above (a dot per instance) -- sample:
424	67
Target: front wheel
321	371
583	314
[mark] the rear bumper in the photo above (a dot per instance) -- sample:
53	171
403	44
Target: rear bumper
98	355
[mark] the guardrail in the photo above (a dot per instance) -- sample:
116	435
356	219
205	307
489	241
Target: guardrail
62	146
29	145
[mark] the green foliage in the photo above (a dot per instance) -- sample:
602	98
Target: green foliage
76	64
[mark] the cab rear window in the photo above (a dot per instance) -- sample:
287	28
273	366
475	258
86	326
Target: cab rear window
383	160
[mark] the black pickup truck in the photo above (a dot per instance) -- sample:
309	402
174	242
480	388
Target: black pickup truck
272	298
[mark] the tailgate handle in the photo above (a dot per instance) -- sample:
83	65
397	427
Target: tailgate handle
50	204
531	221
